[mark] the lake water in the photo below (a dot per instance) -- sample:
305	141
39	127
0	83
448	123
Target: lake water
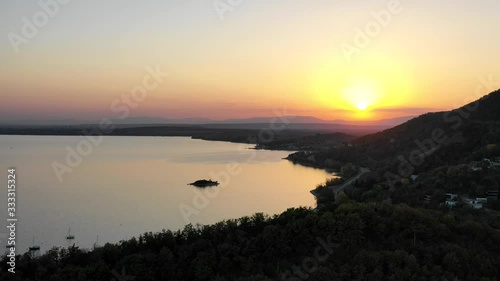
130	185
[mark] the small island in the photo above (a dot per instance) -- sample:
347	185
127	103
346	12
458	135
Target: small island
205	183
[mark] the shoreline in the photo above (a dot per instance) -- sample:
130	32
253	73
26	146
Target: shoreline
80	133
253	147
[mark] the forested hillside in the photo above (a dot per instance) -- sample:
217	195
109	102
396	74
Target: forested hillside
351	242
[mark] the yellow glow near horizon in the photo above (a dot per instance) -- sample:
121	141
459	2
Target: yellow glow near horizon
253	65
361	93
358	89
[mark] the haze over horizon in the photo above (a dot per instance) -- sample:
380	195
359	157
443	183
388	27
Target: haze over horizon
261	57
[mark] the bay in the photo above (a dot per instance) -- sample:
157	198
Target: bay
126	186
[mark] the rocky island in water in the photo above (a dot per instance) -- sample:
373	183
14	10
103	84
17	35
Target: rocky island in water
205	183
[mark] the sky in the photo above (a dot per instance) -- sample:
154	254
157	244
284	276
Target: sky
332	59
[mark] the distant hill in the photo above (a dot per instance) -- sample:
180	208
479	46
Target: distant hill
469	132
233	123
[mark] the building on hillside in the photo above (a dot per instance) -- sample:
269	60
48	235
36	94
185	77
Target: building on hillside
476	166
495	163
482	200
492	195
451	199
475	203
451	203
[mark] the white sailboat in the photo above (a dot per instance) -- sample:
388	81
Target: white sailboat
69	236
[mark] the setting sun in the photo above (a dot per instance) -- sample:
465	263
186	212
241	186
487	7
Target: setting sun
361	93
362	105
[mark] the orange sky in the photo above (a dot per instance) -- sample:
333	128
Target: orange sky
263	56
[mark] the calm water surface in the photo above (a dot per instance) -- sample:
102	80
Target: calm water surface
131	185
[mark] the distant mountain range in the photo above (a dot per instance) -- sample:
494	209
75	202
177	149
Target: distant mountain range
215	123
